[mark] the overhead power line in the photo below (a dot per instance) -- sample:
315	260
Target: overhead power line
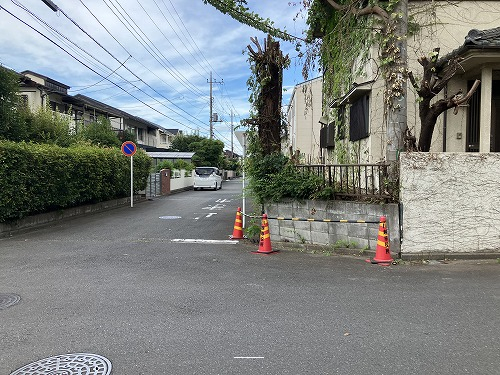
94	71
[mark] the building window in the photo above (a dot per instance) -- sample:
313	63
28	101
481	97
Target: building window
140	134
24	101
359	119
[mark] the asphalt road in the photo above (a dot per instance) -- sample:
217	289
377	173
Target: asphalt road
124	284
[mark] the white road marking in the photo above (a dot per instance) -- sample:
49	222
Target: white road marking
223	200
215	207
211	214
192	240
248	357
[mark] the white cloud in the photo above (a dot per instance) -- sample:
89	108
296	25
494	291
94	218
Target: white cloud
206	39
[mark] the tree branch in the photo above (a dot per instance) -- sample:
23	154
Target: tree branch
464	99
369	9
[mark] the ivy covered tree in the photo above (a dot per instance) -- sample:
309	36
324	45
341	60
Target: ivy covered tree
267	64
340	36
238	10
333	25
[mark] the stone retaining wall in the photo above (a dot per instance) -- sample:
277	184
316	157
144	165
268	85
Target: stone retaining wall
362	236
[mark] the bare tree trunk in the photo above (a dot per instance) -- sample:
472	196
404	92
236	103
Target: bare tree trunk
437	73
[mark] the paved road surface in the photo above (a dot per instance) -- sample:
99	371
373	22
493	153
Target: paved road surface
117	285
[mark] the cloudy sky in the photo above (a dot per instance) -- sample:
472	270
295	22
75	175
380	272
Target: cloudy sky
150	58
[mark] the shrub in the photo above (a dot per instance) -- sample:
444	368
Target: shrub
274	178
37	178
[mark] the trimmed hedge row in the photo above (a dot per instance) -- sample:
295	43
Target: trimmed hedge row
37	178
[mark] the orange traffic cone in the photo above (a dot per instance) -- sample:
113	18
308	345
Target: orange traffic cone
382	254
238	226
265	238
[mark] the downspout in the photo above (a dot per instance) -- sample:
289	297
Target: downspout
445	118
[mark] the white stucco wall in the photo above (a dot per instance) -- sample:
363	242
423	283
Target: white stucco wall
444	24
304	113
451	202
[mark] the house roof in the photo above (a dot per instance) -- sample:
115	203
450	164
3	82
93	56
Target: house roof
45	78
170	155
476	42
112	111
79	100
484	38
357	91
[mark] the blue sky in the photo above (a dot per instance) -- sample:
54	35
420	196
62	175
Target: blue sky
158	54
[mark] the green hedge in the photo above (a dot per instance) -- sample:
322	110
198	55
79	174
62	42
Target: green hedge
37	178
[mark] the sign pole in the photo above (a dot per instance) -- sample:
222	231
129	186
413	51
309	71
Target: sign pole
129	149
131	181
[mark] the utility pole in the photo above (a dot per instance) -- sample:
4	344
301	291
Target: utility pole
211	107
397	111
232	135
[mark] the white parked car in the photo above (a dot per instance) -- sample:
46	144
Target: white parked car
207	178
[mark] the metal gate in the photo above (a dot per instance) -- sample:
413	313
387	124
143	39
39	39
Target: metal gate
153	188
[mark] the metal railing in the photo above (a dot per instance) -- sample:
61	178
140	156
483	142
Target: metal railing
355	181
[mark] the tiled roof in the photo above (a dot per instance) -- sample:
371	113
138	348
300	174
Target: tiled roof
475	39
490	38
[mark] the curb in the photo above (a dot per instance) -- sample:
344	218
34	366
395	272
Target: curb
8	229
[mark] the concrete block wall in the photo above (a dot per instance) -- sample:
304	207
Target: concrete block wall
321	233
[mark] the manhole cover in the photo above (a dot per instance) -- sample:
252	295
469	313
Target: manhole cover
68	364
8	299
170	217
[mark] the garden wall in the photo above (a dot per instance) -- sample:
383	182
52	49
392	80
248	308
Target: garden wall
451	203
361	236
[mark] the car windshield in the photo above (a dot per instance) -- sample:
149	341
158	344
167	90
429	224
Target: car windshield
204	171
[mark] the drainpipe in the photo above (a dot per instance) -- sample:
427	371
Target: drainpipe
445	119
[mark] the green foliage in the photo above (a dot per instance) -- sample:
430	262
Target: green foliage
182	164
274	178
127	135
166	164
48	126
37	178
182	143
208	152
178	164
99	133
231	164
12	122
237	10
344	244
339	39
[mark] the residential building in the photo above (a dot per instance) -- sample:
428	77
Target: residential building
469	29
303	117
38	90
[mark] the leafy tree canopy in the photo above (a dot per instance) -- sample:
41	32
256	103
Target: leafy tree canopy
182	143
12	125
208	152
99	133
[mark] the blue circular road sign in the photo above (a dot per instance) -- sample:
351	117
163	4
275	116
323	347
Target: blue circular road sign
129	148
